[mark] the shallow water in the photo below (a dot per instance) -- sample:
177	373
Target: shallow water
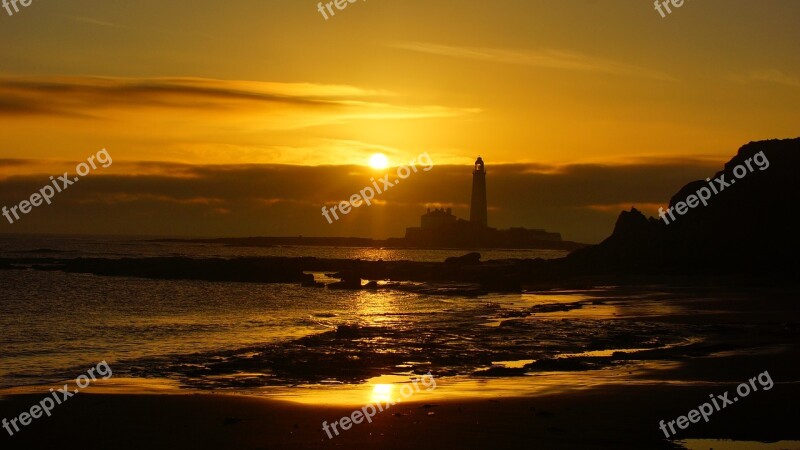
255	338
244	336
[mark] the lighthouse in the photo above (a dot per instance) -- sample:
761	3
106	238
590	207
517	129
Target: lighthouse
478	210
439	228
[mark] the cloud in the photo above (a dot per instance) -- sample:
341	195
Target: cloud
615	208
117	198
544	58
288	105
12	162
580	201
210	120
101	23
773	76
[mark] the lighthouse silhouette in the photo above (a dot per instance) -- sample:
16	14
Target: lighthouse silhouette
478	211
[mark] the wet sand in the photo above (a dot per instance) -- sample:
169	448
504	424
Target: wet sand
617	411
613	417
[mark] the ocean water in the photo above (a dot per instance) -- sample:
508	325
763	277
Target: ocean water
248	337
104	247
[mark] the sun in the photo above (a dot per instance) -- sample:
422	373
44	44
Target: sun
378	161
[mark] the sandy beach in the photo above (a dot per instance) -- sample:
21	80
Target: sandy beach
612	417
619	406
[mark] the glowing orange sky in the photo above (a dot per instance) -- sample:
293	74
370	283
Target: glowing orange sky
557	83
521	81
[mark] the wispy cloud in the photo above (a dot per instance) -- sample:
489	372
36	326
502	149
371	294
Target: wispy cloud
768	76
545	58
101	23
274	105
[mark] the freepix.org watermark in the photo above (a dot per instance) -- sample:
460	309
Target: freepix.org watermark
339	4
706	410
703	195
665	4
369	411
48	191
367	194
56	397
8	4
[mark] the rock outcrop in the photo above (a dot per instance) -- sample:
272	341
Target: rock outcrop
745	228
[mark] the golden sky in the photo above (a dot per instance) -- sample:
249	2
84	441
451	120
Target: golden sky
560	84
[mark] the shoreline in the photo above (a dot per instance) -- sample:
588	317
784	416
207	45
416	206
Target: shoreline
746	331
617	407
576	419
564	417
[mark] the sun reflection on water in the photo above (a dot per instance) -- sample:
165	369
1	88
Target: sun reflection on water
382	393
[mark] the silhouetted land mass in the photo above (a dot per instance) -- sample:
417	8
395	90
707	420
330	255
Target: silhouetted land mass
744	231
745	228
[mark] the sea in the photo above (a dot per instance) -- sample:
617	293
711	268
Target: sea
267	339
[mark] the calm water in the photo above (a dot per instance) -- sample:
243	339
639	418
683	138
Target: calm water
71	247
248	336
